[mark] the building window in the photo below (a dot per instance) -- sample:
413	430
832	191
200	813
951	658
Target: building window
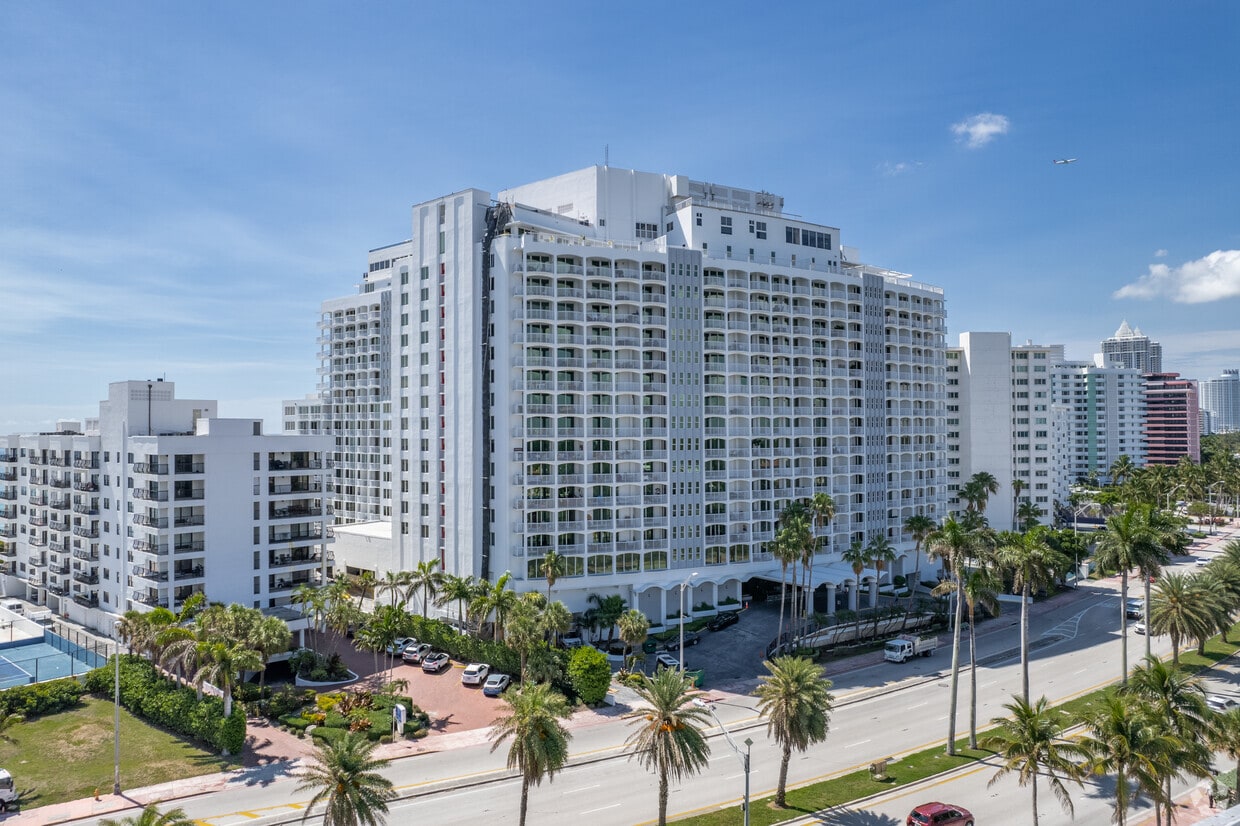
725	225
647	230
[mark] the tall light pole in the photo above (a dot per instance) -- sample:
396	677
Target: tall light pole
1171	493
1210	490
743	757
116	716
681	652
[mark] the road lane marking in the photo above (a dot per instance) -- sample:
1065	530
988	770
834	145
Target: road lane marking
603	809
859	743
584	788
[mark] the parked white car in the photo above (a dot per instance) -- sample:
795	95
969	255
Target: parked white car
475	673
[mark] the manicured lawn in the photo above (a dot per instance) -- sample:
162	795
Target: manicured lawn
67	756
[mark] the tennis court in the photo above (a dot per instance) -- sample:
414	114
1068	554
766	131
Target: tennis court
33	661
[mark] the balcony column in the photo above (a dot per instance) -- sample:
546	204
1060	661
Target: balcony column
874	592
830	599
662	606
853	587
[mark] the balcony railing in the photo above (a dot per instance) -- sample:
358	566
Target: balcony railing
86	600
150	468
60	483
189	521
85	508
145	547
150	495
151	575
189	547
83	553
91	532
150	521
86	464
37	521
183	468
86	486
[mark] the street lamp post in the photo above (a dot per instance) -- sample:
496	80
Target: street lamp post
742	756
116	717
683	586
1171	493
1210	490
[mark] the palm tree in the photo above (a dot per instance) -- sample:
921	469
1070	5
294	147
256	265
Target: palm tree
539	740
495	600
458	589
556	619
1178	703
425	578
345	776
523	627
222	664
313	602
7	722
668	739
1031	743
881	554
784	548
633	629
955	543
857	556
977	492
270	636
1018	487
552	567
1224	734
918	526
821	509
608	611
1126	543
981	587
1180	608
393	583
151	816
1027	515
796	701
1033	564
1121	469
1124	741
795	521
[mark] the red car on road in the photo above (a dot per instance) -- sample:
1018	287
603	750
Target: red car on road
939	814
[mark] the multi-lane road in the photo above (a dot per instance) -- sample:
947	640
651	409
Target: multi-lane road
882	712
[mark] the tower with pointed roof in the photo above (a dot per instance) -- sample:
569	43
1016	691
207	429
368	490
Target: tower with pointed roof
1129	347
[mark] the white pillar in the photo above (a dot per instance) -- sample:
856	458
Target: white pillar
662	606
853	587
714	586
874	592
830	599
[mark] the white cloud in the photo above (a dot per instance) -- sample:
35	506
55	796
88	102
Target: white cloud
1160	253
1214	277
891	170
979	130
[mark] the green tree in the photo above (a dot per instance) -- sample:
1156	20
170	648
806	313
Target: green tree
787	549
857	557
1224	734
1032	563
821	508
608	611
460	590
344	776
795	699
881	554
981	587
7	722
523	628
494	600
556	620
313	604
633	629
1127	542
1122	741
269	637
222	664
589	673
427	579
1031	743
1181	608
539	746
151	816
919	526
393	583
552	567
668	737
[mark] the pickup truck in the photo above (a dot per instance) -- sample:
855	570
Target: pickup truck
907	646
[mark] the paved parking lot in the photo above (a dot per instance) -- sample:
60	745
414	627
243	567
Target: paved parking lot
734	655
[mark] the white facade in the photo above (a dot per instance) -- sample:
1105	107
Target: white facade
1132	348
1104	413
640	371
999	421
353	404
1220	400
157	500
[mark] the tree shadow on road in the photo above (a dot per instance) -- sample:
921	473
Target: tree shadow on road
846	816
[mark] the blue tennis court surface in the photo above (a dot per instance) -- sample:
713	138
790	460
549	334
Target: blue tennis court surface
35	661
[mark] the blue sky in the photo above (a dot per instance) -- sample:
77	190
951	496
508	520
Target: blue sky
182	184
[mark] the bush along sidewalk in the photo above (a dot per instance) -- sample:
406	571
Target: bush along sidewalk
156	699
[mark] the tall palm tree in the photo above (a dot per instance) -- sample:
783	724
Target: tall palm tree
795	699
496	600
1018	487
1033	564
786	549
1027	515
633	629
458	589
1127	542
881	554
313	602
980	587
1181	609
269	637
1030	742
821	509
955	543
1224	734
523	628
977	492
1123	741
556	619
1178	703
552	567
152	816
608	611
918	526
1121	469
393	583
857	557
344	776
539	745
425	578
796	522
221	664
668	737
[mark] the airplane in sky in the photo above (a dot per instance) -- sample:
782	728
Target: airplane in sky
1065	160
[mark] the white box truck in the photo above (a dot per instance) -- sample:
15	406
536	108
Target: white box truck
907	646
8	795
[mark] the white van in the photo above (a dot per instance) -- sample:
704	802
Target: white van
16	607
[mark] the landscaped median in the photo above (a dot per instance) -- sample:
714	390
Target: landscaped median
858	783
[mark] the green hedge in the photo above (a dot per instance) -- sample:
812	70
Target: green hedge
149	695
41	698
590	673
464	648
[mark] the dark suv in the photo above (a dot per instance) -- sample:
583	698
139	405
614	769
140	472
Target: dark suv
723	619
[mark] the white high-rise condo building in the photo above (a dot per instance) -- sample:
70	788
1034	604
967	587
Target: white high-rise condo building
1132	348
1220	398
640	371
354	403
999	421
1103	416
157	500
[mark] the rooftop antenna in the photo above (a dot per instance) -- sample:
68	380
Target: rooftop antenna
606	154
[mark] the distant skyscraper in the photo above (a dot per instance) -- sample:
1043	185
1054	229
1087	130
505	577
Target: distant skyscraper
1220	398
1130	348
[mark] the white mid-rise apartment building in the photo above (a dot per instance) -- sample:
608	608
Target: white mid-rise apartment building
999	421
156	500
1220	399
353	404
1103	413
640	371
